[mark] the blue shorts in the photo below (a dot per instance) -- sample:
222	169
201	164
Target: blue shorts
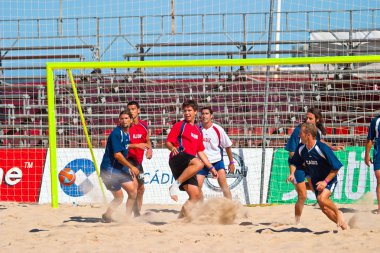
114	178
376	162
330	186
218	166
300	175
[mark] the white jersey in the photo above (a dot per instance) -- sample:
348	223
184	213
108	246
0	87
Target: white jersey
214	140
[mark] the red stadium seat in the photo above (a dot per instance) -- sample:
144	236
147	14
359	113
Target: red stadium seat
257	131
342	130
361	130
290	130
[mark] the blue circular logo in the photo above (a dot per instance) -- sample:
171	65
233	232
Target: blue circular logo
83	168
232	179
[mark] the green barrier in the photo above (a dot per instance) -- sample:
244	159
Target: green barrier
355	179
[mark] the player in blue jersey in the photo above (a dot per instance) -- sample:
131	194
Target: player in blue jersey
373	138
116	171
298	176
323	166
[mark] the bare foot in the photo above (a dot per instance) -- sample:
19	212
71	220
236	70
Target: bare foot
340	221
298	220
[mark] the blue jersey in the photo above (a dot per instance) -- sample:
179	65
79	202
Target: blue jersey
374	135
319	160
117	141
295	140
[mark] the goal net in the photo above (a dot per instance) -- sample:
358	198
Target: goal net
258	111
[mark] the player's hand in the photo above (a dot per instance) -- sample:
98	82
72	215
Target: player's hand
337	148
174	151
290	178
231	168
321	185
368	161
214	173
135	171
149	153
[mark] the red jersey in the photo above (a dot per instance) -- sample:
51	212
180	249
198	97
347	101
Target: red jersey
186	137
138	134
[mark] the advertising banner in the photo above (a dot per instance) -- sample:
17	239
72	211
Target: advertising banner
354	180
20	174
244	183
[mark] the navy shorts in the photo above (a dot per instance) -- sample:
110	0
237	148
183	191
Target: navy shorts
300	175
330	186
178	164
376	162
218	166
114	178
140	178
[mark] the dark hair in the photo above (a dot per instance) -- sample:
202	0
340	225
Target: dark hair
318	119
126	111
207	108
133	102
310	129
191	103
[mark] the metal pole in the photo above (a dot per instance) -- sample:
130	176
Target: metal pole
265	118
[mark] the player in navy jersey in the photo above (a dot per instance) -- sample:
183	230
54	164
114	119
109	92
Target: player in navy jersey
373	138
116	171
139	143
298	176
323	166
215	140
185	143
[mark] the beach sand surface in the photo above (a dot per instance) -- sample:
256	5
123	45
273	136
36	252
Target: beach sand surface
218	225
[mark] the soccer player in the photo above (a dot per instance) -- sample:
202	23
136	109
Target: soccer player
139	143
297	177
185	142
322	166
215	140
116	171
374	138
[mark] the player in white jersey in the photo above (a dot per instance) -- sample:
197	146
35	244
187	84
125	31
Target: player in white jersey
215	140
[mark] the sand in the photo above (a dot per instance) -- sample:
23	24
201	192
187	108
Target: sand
218	225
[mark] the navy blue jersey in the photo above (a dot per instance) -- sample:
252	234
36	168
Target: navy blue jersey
374	135
117	141
295	140
319	160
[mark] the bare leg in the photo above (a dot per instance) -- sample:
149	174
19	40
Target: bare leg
131	189
298	208
330	209
222	180
117	200
139	199
200	179
194	197
377	174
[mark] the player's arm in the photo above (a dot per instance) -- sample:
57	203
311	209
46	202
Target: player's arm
367	157
138	145
333	147
204	159
149	150
120	157
231	165
294	161
292	170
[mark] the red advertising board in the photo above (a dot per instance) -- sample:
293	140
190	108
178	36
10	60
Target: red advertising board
21	174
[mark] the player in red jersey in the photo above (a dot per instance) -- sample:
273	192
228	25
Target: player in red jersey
187	157
139	144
